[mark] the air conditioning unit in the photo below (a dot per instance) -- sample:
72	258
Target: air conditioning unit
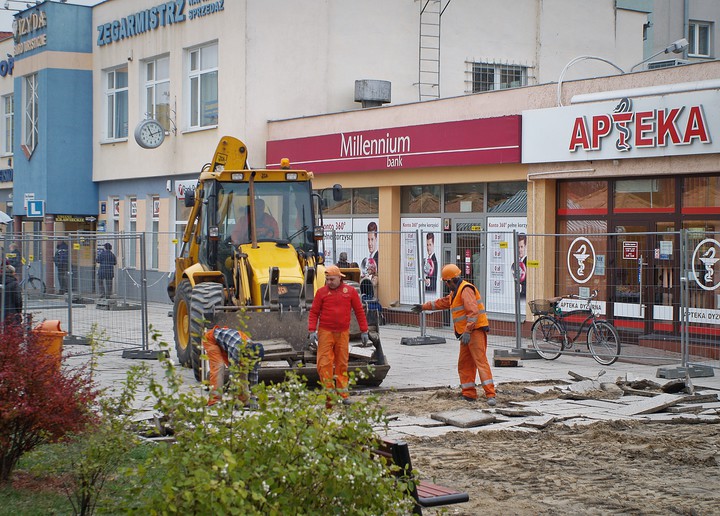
666	63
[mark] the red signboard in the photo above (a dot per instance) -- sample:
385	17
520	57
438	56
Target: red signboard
630	250
466	142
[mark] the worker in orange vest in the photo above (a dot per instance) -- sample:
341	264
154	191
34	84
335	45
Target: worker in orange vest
224	346
331	308
471	327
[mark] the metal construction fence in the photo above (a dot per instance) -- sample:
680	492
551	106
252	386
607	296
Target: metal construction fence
660	290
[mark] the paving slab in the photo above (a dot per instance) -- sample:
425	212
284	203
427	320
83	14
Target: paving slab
464	418
403	420
650	405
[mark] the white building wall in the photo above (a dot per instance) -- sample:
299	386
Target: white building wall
282	58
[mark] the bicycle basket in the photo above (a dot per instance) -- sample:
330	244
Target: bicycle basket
541	307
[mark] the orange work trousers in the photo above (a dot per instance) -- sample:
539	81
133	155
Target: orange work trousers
332	359
219	362
473	360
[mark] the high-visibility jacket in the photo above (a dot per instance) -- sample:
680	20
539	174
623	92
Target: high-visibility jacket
475	318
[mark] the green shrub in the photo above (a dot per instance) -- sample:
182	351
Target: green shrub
292	456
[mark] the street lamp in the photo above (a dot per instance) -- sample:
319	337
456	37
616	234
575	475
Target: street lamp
577	60
676	47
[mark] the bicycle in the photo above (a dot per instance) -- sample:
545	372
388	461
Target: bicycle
550	334
31	284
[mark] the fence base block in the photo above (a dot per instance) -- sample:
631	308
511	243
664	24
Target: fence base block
115	304
421	340
694	371
522	353
144	354
76	340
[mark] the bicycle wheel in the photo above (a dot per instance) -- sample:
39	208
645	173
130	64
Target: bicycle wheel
35	286
547	337
603	342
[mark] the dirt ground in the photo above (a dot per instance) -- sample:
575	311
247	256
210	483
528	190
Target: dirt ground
604	468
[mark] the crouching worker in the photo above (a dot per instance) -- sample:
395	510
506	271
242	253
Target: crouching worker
225	346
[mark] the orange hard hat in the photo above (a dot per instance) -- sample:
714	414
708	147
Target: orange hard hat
333	270
450	271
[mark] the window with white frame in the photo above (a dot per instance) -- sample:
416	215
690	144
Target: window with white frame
699	39
157	90
8	103
116	98
203	85
494	76
30	120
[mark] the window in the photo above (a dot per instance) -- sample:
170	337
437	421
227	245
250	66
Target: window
465	198
30	129
132	243
583	198
507	197
157	90
155	244
203	86
644	196
116	93
8	102
420	199
491	76
366	201
701	195
699	39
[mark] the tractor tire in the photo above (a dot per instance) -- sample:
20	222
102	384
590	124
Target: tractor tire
205	297
181	322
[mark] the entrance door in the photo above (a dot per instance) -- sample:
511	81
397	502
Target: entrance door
631	288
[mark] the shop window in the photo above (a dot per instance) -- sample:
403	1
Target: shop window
116	95
583	198
333	207
157	90
494	76
699	39
703	273
644	196
701	195
203	80
365	201
420	199
590	271
30	120
465	198
8	102
510	197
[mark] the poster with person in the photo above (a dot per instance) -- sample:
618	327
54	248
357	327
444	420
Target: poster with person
366	242
338	238
420	266
500	295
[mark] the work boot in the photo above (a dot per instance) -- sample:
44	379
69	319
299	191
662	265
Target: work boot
491	402
468	399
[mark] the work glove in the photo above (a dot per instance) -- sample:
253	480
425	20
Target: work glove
312	336
417	308
364	338
465	339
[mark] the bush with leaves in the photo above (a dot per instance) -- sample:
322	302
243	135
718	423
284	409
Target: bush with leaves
292	456
40	402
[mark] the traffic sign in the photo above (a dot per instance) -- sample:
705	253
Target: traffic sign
36	208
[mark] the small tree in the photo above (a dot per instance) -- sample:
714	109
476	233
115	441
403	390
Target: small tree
40	401
291	456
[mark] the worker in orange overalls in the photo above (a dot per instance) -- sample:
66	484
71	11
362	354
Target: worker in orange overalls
331	306
226	345
471	327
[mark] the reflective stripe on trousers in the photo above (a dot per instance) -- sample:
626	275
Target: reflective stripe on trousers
473	361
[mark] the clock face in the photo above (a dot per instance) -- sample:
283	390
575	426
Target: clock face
149	134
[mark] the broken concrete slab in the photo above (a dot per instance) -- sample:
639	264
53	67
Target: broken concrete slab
539	422
542	389
650	405
403	420
464	418
518	412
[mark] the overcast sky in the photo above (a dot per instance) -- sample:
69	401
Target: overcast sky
6	16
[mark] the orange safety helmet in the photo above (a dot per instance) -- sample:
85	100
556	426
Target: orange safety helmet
450	271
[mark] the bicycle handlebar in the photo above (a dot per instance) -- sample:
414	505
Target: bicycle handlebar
593	295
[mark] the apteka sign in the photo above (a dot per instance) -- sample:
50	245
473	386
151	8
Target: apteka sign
670	125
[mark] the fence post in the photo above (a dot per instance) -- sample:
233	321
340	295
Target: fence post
143	293
69	280
422	339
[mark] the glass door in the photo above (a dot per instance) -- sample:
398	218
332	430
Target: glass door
631	286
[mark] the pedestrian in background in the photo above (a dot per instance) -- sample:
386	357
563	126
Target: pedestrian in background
12	295
14	258
106	271
61	262
343	261
471	327
331	309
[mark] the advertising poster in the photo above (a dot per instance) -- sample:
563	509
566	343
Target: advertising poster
365	244
501	264
338	242
423	261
